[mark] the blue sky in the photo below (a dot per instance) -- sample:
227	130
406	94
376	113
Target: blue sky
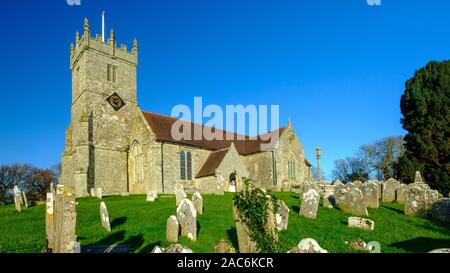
336	67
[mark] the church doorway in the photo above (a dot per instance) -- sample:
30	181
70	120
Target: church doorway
232	181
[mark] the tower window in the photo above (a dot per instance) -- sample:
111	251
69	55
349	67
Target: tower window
182	166
189	165
111	73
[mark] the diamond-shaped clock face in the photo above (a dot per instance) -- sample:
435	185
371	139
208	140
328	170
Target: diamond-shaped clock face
115	101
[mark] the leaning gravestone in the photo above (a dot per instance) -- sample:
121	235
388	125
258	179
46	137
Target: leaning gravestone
329	201
187	217
173	229
104	216
197	200
370	194
50	220
65	240
361	223
352	202
310	204
152	196
282	216
389	189
179	193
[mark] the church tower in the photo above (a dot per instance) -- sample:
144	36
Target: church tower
103	109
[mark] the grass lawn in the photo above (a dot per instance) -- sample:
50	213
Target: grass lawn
142	225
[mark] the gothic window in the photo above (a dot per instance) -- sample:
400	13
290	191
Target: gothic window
291	169
182	166
136	163
189	166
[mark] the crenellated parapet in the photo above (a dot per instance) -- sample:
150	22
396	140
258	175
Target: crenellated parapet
95	43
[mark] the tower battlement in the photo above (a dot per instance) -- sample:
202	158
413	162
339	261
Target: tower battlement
108	48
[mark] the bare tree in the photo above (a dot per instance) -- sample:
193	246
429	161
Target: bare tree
382	156
350	169
14	175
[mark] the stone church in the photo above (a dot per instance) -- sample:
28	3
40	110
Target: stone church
111	143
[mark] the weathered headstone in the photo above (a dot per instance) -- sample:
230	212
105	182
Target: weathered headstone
441	210
338	182
93	194
173	229
179	193
419	201
282	216
308	246
400	194
187	217
99	192
152	196
65	240
310	204
352	202
224	247
50	220
17	199
24	199
370	194
358	184
104	216
197	200
389	189
329	201
357	222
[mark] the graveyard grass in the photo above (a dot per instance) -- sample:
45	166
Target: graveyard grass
142	225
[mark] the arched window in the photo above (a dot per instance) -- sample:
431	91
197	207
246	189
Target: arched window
136	161
189	166
182	166
291	169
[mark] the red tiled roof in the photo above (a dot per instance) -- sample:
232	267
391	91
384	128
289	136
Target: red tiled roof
212	163
162	127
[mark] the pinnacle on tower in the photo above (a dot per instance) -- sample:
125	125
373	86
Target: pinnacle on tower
86	25
111	36
135	46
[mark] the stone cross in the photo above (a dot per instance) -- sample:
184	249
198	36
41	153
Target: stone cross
187	217
104	215
318	155
197	200
310	204
173	229
418	178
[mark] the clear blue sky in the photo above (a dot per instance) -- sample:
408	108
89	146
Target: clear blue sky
336	67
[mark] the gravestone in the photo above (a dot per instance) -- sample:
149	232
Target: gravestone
17	199
93	194
25	200
310	204
175	249
361	223
418	178
187	217
358	184
329	201
179	193
104	216
441	210
400	194
337	183
370	194
282	216
224	247
173	229
197	200
352	202
50	220
419	201
99	193
65	216
308	246
286	186
152	196
389	189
